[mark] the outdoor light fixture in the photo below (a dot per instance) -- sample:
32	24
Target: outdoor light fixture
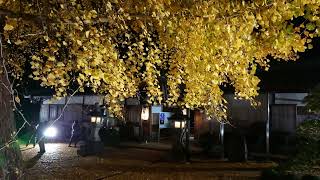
178	124
184	112
96	119
145	113
181	123
93	119
50	132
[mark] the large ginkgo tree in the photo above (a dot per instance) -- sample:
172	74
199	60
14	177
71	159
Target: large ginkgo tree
119	47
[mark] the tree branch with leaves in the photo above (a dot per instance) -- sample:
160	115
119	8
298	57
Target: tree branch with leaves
117	48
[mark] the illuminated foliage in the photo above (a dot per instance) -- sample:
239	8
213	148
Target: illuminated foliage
118	47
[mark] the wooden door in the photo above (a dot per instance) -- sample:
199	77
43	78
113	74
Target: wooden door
283	117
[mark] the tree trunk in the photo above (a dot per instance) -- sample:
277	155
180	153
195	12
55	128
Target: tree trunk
10	156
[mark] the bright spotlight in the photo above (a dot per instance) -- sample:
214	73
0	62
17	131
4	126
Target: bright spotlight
50	132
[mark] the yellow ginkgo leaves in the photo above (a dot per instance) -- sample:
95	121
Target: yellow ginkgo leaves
8	27
180	52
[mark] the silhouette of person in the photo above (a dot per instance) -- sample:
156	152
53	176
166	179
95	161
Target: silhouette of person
33	129
75	133
40	137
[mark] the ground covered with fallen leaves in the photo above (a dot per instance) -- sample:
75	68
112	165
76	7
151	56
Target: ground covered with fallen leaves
62	162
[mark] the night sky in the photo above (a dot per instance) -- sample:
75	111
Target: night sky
294	76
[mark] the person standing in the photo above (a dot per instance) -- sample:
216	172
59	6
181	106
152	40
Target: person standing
32	139
75	133
40	136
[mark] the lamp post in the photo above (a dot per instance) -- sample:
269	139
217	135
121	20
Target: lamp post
183	123
94	144
96	123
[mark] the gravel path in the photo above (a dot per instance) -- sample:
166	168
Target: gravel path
62	162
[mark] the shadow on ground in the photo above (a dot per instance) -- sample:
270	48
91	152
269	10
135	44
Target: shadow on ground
33	161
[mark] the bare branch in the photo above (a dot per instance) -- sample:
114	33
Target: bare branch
51	124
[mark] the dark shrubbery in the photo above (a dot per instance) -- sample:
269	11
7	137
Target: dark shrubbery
210	145
309	131
306	162
206	141
110	137
308	150
236	147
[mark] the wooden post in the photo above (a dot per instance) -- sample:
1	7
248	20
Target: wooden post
49	112
222	138
188	136
268	126
82	107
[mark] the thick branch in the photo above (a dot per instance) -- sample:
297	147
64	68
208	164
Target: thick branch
24	16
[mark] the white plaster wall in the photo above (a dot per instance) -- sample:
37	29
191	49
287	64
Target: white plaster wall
290	98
